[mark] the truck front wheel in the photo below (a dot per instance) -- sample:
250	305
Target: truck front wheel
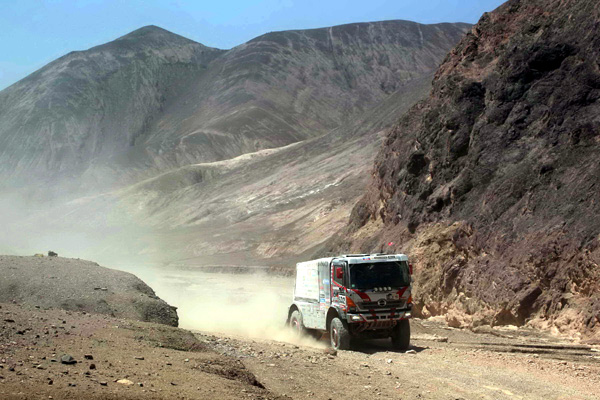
339	335
401	335
296	322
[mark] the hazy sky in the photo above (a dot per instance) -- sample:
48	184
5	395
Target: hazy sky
35	32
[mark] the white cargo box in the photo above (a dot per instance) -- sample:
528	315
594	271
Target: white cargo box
307	280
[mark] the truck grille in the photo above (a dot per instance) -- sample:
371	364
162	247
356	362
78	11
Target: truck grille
389	304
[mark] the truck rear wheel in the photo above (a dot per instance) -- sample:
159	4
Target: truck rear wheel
401	335
339	335
296	323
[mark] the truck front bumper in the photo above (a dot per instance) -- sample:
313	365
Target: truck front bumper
371	316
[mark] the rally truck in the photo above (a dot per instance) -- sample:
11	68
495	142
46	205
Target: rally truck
354	296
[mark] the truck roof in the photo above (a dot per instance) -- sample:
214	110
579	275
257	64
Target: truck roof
362	258
368	258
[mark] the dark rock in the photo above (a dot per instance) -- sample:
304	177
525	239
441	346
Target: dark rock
68	359
88	356
92	366
505	147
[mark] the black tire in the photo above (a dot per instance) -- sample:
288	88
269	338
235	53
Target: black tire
339	336
401	335
296	323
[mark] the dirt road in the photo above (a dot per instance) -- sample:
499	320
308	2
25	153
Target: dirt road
242	316
444	363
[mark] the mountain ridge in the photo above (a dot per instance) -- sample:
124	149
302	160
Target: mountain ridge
143	106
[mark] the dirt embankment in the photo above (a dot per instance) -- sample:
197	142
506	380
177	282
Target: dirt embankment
492	182
78	285
46	354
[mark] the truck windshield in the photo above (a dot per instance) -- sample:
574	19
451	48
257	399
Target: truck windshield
380	274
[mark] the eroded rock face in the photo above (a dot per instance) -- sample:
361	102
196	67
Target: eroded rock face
492	182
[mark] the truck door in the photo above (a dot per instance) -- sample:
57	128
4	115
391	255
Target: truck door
338	279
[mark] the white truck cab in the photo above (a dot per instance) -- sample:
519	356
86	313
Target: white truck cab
354	295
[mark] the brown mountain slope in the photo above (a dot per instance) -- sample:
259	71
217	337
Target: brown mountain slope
492	183
262	207
92	104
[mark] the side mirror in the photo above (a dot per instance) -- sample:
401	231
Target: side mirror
339	273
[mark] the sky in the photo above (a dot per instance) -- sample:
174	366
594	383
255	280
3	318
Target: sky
35	32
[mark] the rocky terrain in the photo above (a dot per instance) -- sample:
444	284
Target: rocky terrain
443	363
83	286
491	183
72	355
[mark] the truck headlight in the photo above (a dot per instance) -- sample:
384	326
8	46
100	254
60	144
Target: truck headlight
355	318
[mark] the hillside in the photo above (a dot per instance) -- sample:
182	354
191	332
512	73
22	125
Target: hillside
91	104
83	286
492	181
151	100
266	206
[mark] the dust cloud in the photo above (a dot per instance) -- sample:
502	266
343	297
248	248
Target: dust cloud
250	305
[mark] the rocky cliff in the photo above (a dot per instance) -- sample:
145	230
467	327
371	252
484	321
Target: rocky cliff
492	182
